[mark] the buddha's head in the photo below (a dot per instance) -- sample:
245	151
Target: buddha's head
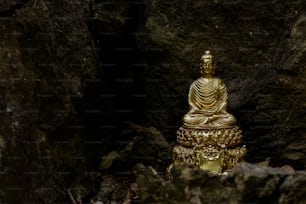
207	64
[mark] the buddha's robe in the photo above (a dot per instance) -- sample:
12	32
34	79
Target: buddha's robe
208	101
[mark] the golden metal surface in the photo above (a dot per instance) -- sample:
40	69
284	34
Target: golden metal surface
209	137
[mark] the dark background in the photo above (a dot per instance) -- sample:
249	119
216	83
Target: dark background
75	73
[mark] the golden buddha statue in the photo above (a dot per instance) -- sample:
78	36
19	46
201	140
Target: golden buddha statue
209	137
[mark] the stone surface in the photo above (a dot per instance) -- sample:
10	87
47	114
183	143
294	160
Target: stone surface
46	53
147	146
111	191
247	183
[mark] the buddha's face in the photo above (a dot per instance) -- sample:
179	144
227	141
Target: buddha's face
207	67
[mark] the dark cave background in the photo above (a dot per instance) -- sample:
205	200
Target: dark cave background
76	74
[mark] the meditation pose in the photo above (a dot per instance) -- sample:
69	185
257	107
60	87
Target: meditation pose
209	137
208	100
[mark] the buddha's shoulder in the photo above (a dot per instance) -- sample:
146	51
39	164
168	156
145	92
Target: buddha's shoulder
211	82
208	80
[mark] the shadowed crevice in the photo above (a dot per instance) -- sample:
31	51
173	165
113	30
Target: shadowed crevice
14	8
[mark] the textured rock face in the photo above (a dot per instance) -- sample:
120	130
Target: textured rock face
259	48
246	184
148	147
46	52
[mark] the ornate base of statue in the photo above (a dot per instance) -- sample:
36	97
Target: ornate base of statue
210	149
209	137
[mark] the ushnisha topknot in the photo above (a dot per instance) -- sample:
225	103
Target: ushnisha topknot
207	56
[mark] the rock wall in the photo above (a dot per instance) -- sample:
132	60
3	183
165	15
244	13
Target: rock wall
46	53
